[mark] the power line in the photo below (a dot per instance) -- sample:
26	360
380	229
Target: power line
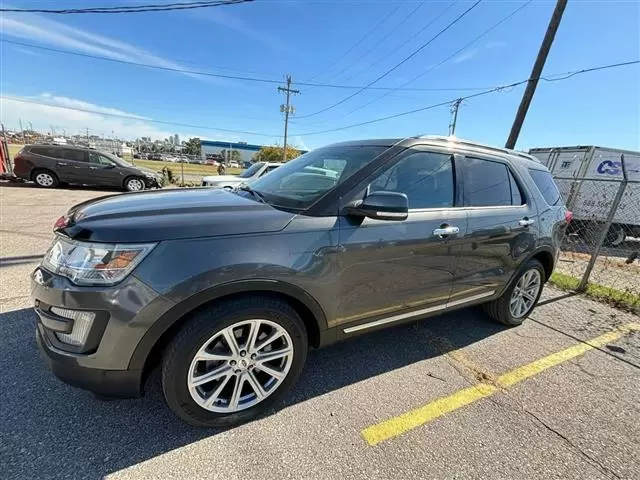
163	7
139	119
486	92
358	43
392	31
397	65
218	75
453	55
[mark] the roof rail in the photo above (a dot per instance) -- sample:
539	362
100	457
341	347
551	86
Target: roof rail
470	143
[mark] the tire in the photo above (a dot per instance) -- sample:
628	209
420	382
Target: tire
134	184
45	178
500	309
206	329
615	236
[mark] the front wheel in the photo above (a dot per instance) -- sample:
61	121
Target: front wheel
231	362
518	301
134	184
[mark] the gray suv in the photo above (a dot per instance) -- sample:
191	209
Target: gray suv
227	290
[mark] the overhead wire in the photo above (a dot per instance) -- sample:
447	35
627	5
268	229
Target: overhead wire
453	55
397	65
358	43
162	7
546	78
377	44
474	95
219	75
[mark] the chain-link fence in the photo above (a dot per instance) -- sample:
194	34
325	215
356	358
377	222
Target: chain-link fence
602	243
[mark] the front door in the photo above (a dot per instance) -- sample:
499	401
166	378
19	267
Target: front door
391	270
501	228
104	171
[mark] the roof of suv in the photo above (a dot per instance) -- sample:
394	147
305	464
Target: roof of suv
444	141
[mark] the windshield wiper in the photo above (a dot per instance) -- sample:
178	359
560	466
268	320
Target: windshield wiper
256	195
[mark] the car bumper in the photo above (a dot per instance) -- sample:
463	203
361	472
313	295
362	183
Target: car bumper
123	315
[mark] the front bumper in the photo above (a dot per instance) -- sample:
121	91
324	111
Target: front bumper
113	383
124	314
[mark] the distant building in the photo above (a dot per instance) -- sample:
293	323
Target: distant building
176	139
216	150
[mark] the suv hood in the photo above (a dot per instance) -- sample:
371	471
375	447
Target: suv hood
171	215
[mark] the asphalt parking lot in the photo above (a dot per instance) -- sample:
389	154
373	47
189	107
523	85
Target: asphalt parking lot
457	396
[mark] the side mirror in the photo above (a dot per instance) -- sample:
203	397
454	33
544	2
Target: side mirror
382	206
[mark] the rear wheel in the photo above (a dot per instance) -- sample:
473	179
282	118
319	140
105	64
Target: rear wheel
518	301
45	178
231	362
615	236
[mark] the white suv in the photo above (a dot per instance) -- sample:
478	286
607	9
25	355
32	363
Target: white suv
256	170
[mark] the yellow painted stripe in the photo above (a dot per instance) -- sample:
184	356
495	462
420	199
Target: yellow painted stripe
403	423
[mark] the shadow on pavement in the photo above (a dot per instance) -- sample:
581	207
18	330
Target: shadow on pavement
52	430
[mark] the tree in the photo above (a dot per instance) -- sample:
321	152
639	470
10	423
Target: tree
274	154
193	146
236	156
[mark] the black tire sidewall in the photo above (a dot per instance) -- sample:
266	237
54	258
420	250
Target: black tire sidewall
507	295
202	327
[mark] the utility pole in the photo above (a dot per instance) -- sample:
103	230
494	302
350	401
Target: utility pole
454	116
87	130
287	108
22	131
550	34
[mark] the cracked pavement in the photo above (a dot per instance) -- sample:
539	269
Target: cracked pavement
579	419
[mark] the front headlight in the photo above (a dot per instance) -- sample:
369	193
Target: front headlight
94	263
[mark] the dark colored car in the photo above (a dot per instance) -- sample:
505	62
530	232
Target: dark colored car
227	290
50	165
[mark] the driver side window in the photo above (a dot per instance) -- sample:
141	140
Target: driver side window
97	159
426	178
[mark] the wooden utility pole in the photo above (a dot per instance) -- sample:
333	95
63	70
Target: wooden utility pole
454	116
554	23
288	109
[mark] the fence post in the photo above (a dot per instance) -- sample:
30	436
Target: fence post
582	286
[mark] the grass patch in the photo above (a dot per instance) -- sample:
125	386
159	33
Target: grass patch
623	299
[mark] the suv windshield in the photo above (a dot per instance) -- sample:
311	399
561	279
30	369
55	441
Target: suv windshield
252	170
300	182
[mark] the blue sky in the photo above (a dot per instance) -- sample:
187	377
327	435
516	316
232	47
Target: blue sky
268	38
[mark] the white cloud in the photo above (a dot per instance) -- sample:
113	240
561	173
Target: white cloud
98	119
465	56
298	141
34	27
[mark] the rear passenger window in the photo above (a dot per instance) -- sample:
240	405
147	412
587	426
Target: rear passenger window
46	151
546	185
72	154
488	184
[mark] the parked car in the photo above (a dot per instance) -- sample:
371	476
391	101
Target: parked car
228	290
234	165
50	165
256	170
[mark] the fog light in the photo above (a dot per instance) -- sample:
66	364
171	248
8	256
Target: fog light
82	322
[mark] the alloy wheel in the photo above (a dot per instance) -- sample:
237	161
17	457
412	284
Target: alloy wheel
240	366
135	185
44	179
525	293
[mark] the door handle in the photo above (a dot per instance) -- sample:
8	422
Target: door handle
525	222
62	164
444	231
93	168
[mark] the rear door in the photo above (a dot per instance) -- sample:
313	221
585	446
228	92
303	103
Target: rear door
501	226
71	165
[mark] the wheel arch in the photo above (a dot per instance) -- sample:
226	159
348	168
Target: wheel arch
149	350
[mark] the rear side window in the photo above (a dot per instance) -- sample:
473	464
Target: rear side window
46	151
72	154
489	184
546	185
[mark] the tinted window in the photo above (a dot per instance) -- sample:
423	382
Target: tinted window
71	154
487	184
46	151
516	194
426	178
99	159
546	185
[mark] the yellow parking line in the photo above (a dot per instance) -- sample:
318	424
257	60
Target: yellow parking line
403	423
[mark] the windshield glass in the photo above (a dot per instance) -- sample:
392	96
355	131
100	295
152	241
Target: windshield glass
117	160
252	170
300	182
